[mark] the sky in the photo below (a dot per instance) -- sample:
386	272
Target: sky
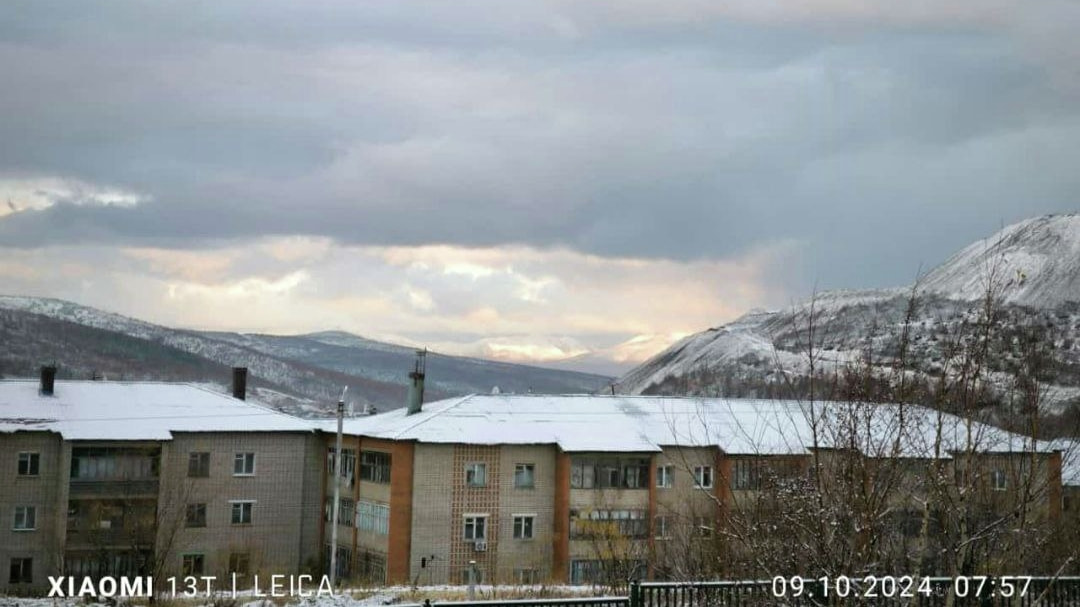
529	181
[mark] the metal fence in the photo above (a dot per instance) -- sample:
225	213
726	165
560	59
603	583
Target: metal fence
600	601
975	591
918	592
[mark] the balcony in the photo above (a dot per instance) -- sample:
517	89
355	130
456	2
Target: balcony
118	488
83	538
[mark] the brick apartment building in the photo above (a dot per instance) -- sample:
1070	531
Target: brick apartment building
519	484
108	477
102	478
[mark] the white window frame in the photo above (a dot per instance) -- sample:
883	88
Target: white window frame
241	503
532	475
999	481
471	468
198	457
32	457
532	526
237	459
662	524
27	521
699	474
373	516
703	527
664	476
483	527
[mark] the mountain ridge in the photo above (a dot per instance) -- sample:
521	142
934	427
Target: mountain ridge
300	374
1033	267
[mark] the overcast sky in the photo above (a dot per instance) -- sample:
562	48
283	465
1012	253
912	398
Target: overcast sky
524	180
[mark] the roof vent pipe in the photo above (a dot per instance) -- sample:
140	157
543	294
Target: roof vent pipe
415	400
48	380
239	383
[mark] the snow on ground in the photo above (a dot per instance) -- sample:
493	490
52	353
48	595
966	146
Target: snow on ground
399	596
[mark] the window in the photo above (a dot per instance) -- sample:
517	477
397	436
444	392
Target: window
526	576
114	463
372	516
371	567
663	477
29	464
25	518
375	466
472	575
193	564
703	526
196	515
475	475
475	527
524	476
523	526
609	472
347	512
607	524
22	571
244	464
198	465
998	480
746	475
587	571
703	476
348	463
240	563
241	512
608	571
662	528
344	561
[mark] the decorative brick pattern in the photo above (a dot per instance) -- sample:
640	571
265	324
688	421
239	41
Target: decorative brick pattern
474	500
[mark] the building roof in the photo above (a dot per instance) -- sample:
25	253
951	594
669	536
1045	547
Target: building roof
112	410
621	423
1070	461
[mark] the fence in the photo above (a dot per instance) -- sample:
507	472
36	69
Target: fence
601	601
975	591
972	591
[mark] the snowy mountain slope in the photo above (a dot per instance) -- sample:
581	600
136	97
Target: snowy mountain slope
358	356
1037	260
1038	265
298	373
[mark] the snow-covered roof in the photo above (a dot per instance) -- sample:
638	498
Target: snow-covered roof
111	410
622	423
1070	460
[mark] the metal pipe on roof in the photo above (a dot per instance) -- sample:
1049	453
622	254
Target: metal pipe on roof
48	380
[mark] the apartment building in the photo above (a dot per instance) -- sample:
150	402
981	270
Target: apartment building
139	478
126	478
530	488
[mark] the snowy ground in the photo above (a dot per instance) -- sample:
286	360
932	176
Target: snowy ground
367	597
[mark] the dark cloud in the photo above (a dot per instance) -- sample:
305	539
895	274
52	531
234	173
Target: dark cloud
881	144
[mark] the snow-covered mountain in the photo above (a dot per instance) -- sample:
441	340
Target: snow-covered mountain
1034	266
300	373
1036	262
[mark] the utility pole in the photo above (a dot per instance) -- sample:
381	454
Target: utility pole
337	490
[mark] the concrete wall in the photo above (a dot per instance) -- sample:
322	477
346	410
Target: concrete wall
443	500
47	493
282	536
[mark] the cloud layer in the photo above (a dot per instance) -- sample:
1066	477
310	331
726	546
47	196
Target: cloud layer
538	150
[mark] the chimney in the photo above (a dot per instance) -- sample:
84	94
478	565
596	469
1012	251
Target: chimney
415	400
239	383
48	380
